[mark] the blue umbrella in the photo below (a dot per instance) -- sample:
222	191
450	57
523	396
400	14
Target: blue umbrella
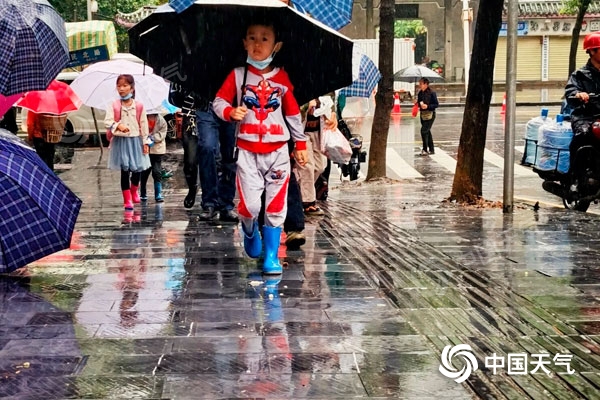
37	211
180	5
33	45
334	13
368	77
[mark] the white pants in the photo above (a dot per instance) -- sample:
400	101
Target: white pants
258	173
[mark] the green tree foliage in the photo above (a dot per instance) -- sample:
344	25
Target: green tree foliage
409	28
76	10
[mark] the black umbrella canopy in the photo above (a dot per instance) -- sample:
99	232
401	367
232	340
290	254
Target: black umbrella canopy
199	47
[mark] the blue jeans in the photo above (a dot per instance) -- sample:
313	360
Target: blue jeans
216	143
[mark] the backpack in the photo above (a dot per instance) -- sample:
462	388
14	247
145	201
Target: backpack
117	113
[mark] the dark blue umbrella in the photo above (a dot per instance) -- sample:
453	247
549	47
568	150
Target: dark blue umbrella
333	13
368	77
33	45
37	210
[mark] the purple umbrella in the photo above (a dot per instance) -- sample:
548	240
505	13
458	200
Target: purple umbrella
37	211
33	45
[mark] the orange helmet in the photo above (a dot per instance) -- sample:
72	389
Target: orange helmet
591	41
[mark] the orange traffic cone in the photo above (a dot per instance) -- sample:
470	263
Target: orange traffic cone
503	109
396	109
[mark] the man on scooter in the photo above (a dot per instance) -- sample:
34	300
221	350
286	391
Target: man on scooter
581	84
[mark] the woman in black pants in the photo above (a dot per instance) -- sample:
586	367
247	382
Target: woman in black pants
428	102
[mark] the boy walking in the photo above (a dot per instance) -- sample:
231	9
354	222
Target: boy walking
268	115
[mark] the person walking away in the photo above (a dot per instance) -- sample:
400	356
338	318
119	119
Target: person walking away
127	129
581	83
184	99
428	102
157	127
263	163
35	135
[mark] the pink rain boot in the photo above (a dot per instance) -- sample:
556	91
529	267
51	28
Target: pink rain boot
127	203
135	197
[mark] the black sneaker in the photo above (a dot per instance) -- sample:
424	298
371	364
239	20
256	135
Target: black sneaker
209	214
228	216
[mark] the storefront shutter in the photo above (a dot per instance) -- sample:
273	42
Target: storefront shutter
558	57
529	59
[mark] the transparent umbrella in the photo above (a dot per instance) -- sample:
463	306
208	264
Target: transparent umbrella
413	73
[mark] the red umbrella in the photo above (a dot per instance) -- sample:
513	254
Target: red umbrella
57	99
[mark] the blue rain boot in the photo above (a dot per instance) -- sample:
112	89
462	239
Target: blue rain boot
272	236
158	197
272	301
252	242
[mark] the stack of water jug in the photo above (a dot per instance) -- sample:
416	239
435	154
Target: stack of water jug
547	143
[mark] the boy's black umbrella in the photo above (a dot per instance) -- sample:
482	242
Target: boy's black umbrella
200	46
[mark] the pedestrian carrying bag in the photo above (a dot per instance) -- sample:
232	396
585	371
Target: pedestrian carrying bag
335	146
415	110
117	115
426	115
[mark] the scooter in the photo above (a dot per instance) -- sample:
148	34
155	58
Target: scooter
358	155
581	186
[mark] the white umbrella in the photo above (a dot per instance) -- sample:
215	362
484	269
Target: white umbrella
416	72
97	84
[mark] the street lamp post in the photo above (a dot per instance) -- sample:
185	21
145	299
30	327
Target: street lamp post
92	7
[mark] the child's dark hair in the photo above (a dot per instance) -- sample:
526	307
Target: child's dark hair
424	80
264	19
129	79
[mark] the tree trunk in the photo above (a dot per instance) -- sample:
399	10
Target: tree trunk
467	185
384	96
575	35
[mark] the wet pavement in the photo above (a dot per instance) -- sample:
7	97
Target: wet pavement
159	305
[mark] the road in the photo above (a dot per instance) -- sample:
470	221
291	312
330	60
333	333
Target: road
405	163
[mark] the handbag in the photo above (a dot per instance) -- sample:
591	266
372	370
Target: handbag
335	146
426	115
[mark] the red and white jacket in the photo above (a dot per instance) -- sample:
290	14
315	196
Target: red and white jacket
270	101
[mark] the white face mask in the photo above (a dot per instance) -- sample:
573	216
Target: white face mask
260	65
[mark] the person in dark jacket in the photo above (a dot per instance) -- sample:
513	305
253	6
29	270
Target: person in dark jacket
582	83
428	102
208	145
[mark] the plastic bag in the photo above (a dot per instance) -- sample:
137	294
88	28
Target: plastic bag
335	146
415	110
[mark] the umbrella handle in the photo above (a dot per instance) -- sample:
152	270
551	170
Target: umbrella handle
97	131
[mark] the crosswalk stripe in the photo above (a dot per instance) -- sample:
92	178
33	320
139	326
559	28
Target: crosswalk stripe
399	166
498	161
444	159
520	149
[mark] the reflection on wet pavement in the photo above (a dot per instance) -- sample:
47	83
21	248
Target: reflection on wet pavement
159	305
